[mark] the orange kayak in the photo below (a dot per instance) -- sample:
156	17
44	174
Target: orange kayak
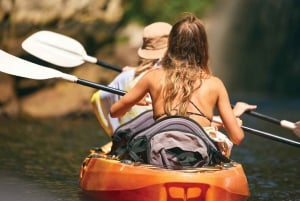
104	178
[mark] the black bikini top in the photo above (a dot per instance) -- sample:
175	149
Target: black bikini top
189	113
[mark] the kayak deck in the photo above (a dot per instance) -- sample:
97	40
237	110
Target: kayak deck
105	178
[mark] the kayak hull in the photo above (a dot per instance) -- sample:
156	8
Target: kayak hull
107	179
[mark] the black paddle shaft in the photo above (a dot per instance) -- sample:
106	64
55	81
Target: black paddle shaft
249	130
112	67
101	87
264	117
271	136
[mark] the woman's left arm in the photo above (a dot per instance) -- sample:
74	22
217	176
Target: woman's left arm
134	96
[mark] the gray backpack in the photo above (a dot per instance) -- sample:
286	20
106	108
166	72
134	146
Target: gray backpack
173	142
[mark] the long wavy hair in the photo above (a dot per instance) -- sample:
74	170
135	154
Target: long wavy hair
144	65
185	62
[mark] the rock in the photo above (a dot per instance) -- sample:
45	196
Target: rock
84	21
63	98
83	11
8	100
6	88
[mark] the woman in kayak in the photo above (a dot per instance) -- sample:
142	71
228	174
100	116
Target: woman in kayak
155	41
184	85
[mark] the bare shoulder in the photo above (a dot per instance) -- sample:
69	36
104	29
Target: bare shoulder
155	73
156	70
151	77
216	81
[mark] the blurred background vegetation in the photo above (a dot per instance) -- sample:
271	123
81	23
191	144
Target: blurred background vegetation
148	11
254	45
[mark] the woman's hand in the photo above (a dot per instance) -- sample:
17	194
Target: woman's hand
145	101
239	121
241	107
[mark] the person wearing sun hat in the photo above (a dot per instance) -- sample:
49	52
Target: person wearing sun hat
153	48
155	44
155	40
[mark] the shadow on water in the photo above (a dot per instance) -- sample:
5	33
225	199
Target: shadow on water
40	160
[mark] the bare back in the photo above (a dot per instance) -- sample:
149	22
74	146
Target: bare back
204	98
212	94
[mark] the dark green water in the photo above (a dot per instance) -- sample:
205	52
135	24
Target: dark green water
40	160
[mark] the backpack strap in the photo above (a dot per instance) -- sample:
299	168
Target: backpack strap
127	130
172	123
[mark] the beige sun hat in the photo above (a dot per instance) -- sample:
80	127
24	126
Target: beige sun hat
155	40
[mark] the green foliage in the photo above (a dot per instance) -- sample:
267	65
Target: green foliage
147	11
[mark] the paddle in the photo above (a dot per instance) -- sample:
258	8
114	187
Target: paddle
60	50
15	66
64	51
295	127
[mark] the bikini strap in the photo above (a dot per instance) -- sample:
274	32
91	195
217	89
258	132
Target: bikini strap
190	113
200	113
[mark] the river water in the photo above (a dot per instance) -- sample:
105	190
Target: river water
40	160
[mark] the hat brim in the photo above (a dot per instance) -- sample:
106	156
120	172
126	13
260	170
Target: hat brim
151	54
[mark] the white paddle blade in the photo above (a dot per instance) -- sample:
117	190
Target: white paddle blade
56	48
15	66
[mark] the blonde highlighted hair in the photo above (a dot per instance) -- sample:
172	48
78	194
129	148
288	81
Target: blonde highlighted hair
145	65
185	62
